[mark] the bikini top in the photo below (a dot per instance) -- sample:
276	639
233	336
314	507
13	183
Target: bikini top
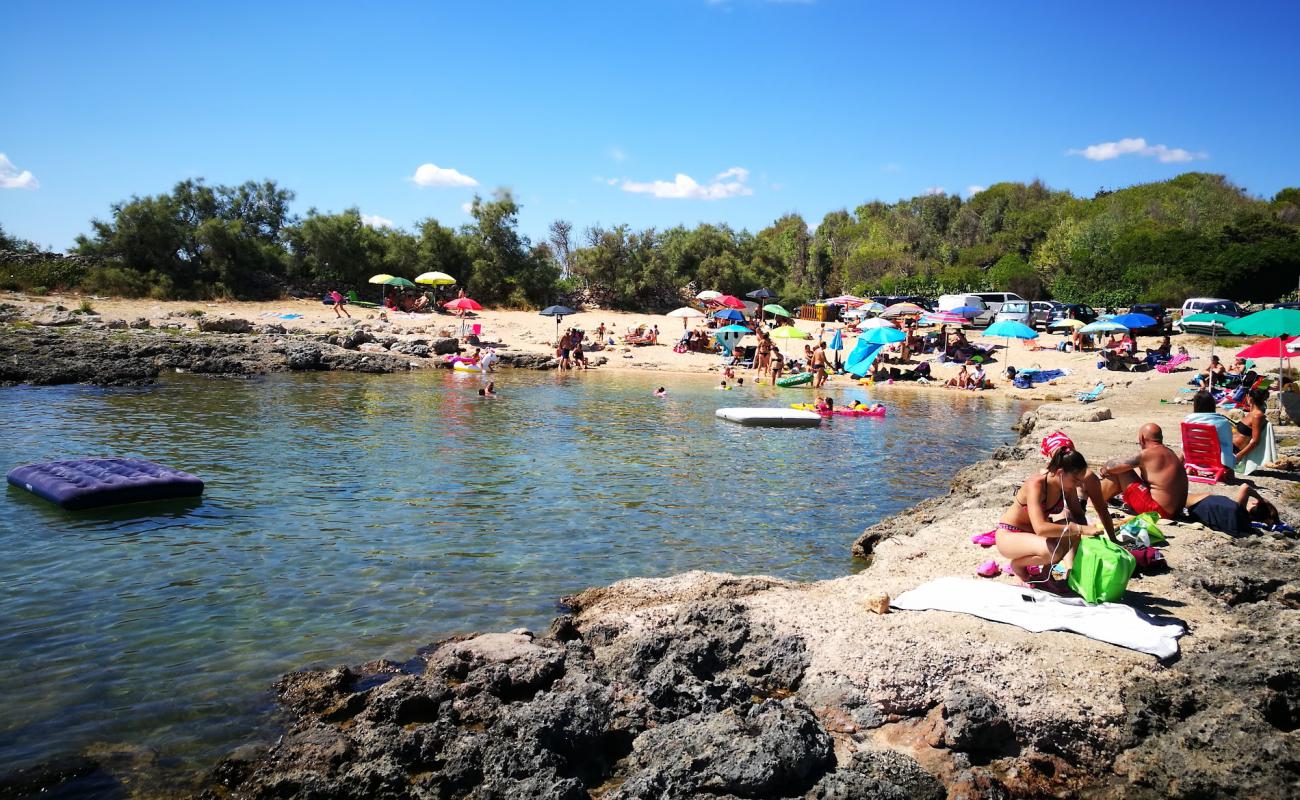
1056	508
1244	429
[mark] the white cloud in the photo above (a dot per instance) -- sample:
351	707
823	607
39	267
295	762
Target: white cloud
1105	151
376	221
974	189
618	154
11	178
730	183
934	190
467	207
434	175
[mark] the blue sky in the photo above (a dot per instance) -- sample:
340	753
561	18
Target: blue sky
591	110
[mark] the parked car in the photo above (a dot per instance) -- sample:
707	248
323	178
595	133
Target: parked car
1015	311
983	318
994	300
1154	311
889	300
1079	311
1042	311
1294	305
1205	305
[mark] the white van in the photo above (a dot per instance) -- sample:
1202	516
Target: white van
948	302
994	300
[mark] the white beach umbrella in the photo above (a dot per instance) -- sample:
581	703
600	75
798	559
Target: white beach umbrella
685	312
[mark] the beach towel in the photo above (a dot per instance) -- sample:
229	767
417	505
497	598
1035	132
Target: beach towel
1265	452
1038	611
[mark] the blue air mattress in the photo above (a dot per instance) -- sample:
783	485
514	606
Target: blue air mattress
93	482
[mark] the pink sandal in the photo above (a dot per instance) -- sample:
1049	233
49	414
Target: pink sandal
985	539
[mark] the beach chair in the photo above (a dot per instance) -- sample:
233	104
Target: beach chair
1173	364
1090	395
1202	456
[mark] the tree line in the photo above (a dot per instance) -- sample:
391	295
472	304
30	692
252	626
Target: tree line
1196	234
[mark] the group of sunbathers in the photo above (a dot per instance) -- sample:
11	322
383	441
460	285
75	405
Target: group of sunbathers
1046	520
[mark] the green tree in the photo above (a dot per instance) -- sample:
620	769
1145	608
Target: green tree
504	266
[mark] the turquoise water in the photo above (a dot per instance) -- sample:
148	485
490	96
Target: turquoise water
350	517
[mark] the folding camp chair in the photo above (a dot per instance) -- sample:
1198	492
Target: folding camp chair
1202	455
1090	396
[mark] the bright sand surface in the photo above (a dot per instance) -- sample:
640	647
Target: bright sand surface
528	331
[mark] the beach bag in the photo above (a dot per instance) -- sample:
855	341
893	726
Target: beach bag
1143	529
1101	570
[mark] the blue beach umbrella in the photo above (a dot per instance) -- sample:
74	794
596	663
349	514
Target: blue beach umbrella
1132	321
837	341
728	313
1010	329
883	336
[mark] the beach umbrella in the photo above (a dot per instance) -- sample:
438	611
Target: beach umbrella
761	294
382	277
708	295
463	304
846	300
883	336
1215	321
392	281
944	318
559	312
728	313
435	279
873	308
773	308
1103	326
728	301
789	332
730	336
1280	323
1273	322
969	312
837	344
1279	347
1010	329
685	312
877	322
1132	321
1068	322
902	310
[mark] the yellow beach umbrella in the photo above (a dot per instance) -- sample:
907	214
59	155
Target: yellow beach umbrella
436	279
789	332
382	277
1069	323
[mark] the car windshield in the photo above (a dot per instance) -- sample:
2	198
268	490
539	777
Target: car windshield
1015	307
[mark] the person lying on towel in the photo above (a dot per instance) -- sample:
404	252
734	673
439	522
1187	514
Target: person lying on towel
1152	480
1233	515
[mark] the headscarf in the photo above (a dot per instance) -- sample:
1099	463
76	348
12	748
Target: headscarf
1055	441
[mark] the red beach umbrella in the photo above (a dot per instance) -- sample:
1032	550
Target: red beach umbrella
1270	348
464	304
730	301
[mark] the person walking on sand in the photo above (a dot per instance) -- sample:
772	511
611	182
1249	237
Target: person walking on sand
339	300
1153	480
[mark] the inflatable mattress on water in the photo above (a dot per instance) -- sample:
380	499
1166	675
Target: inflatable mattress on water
798	379
771	417
94	482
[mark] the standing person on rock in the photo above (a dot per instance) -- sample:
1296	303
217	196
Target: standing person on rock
1153	480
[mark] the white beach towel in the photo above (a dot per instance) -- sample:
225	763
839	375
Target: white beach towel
1265	452
1113	623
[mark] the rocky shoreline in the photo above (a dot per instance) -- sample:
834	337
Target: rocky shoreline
60	347
754	687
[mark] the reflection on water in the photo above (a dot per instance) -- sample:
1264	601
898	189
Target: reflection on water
348	517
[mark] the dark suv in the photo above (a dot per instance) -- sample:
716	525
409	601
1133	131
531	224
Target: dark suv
1156	312
1084	314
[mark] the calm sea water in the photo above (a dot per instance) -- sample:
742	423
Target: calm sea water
349	517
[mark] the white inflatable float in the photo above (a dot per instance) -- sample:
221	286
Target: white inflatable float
465	366
771	417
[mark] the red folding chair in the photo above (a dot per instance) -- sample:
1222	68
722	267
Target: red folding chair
1202	457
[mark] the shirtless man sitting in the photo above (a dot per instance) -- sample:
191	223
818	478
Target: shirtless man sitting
1152	480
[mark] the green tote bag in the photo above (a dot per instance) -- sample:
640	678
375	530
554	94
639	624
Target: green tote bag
1101	570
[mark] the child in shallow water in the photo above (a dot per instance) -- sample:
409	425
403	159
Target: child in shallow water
661	392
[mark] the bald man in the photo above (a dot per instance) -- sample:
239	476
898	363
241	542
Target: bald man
1152	480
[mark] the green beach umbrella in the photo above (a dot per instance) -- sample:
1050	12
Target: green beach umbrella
773	308
789	332
1215	321
1275	323
399	282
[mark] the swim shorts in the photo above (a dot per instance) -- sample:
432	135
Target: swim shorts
1138	496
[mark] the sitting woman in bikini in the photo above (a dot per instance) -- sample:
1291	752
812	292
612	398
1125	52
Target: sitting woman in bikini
1043	525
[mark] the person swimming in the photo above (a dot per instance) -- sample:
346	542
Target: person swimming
661	392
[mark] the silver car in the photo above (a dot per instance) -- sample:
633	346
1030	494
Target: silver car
1017	311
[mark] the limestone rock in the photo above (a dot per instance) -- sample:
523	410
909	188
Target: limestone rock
225	325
